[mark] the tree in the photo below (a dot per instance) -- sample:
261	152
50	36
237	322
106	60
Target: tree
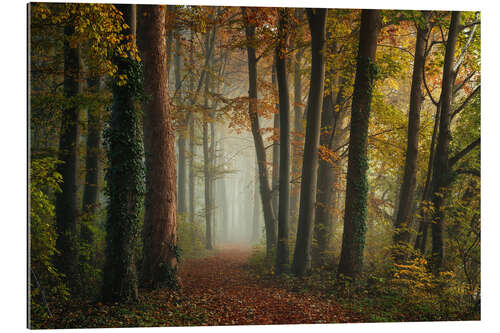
124	177
401	226
302	254
160	217
282	251
265	192
351	258
441	167
92	166
298	117
66	199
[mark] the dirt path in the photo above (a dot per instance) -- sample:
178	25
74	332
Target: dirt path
221	286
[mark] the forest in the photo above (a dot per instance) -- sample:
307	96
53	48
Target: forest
216	165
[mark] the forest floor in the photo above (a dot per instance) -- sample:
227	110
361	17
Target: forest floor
219	289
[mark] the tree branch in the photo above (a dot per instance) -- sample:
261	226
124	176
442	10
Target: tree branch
467	100
452	161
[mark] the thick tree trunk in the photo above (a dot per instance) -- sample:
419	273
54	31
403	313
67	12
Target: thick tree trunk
265	191
353	240
406	197
160	220
124	182
282	251
441	169
66	201
302	254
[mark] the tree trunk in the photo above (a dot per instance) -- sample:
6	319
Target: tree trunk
91	190
256	211
421	240
265	191
124	181
66	261
276	147
401	235
207	163
298	128
192	123
181	142
302	254
282	251
328	173
353	240
441	169
160	224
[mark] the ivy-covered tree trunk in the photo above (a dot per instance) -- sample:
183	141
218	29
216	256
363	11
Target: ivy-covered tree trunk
282	250
124	179
302	254
353	240
265	191
66	201
441	168
406	196
160	217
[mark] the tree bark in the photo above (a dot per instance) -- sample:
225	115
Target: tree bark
66	261
265	191
401	235
282	251
302	254
353	240
160	220
441	168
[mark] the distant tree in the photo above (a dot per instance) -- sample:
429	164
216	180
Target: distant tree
302	254
353	240
160	217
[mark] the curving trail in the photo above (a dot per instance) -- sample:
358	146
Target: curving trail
221	287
